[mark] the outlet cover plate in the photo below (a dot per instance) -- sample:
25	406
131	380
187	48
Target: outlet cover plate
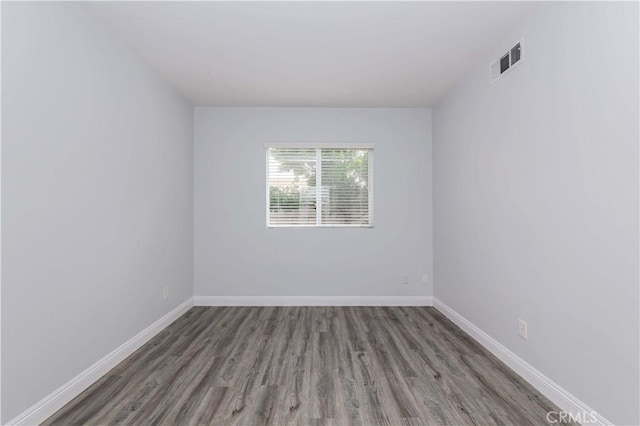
522	329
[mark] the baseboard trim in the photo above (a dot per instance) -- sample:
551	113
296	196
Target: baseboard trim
556	393
63	395
313	301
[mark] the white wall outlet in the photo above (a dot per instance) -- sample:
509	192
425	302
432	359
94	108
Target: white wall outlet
522	329
405	280
425	278
165	293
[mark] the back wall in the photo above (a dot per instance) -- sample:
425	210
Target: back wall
237	255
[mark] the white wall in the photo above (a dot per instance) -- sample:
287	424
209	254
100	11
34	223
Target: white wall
536	201
97	198
236	255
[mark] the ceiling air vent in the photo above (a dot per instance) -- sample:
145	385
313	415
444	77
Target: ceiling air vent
506	62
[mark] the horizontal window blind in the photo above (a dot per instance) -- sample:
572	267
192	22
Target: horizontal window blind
322	186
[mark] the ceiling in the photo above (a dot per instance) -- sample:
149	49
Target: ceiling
335	54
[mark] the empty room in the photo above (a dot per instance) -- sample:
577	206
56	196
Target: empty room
320	213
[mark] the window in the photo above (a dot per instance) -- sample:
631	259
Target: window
319	185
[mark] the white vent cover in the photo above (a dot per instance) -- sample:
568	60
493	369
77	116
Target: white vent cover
506	62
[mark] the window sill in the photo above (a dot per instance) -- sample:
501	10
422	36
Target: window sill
319	226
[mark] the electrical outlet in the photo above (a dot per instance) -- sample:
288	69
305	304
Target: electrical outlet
405	280
165	293
522	329
425	278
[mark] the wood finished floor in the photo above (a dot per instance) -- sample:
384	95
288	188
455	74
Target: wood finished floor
309	366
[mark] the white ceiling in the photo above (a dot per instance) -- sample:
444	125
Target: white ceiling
312	53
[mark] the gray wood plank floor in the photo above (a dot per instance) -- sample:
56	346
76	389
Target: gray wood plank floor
309	366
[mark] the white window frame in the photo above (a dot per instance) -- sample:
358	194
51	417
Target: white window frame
318	147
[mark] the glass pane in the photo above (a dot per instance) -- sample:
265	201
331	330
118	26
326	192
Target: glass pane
292	186
345	186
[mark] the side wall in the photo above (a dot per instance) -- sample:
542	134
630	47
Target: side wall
536	201
235	253
97	211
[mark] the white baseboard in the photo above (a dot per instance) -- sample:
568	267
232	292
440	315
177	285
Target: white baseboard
63	395
553	391
313	301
